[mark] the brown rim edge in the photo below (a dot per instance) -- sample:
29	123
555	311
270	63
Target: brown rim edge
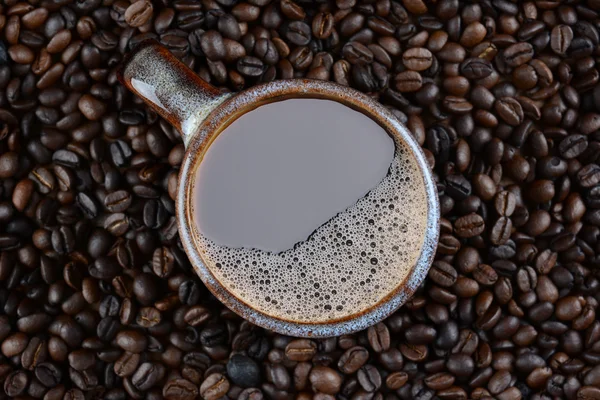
308	88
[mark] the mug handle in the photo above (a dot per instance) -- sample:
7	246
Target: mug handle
167	85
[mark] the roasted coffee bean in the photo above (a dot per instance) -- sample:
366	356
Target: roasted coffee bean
325	380
408	81
9	164
505	203
138	13
369	378
476	68
509	110
132	341
322	25
298	33
561	38
118	201
458	187
353	359
48	374
180	389
396	380
439	141
250	66
189	292
469	225
34	354
127	364
212	45
417	59
357	53
147	375
15	383
301	350
214	387
243	371
120	153
443	274
518	54
379	337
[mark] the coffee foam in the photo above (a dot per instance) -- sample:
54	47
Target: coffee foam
347	266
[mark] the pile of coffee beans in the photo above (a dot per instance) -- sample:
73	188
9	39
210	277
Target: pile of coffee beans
98	300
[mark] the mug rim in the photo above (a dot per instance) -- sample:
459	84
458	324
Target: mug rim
280	90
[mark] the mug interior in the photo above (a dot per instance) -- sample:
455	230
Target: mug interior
251	99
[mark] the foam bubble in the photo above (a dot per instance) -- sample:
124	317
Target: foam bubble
348	265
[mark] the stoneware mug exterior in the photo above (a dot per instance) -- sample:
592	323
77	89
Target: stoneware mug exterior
200	112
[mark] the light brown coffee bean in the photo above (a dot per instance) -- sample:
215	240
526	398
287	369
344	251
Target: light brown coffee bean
469	225
417	59
301	350
408	81
138	13
59	42
21	54
214	386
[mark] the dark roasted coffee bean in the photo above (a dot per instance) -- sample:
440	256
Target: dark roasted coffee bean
117	224
458	187
63	240
120	153
369	378
379	337
589	175
509	110
408	81
147	375
67	158
250	66
580	47
298	33
476	68
443	274
439	141
469	225
180	389
561	38
104	268
518	54
353	359
357	53
325	380
118	201
243	371
322	25
189	292
15	383
127	364
87	204
301	350
48	374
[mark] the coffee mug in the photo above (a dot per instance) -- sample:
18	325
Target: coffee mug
304	206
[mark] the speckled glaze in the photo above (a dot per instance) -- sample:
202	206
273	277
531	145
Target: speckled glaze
208	113
171	88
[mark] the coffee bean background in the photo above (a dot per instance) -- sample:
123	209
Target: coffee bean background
98	300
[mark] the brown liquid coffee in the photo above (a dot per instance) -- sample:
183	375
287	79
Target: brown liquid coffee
308	211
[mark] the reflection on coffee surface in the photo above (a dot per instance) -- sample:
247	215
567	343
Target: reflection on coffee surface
308	211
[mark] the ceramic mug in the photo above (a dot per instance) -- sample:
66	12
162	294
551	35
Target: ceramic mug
200	112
